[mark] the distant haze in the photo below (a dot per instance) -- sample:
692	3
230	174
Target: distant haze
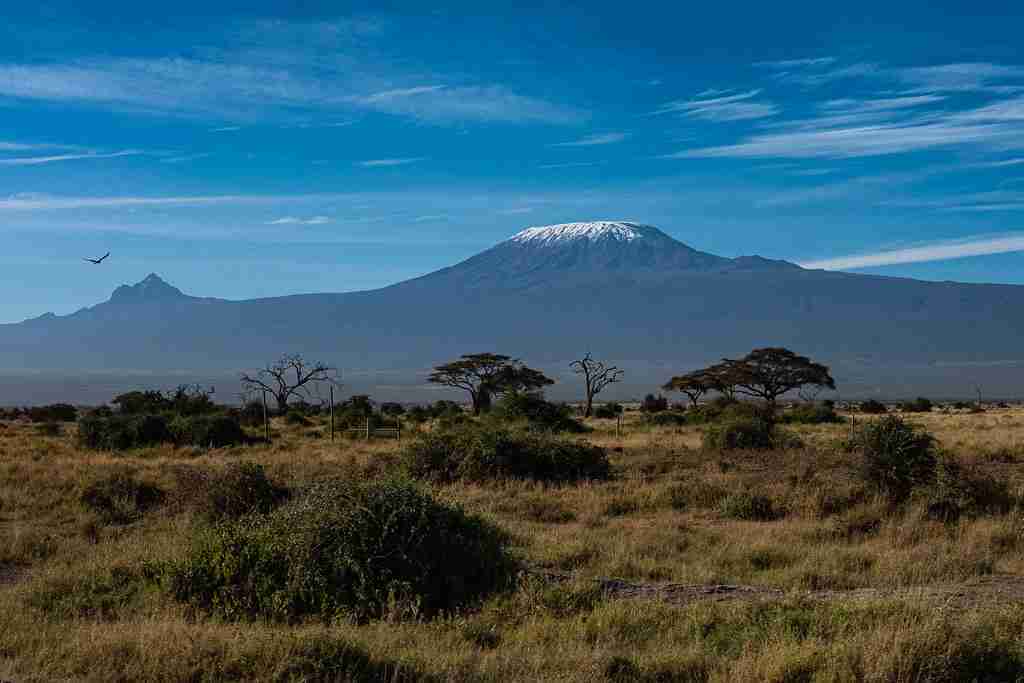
626	292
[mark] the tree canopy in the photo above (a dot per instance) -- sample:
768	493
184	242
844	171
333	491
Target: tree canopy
771	372
485	375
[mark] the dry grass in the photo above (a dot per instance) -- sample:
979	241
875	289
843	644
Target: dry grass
71	606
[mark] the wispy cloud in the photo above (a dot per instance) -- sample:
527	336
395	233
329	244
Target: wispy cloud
939	251
468	103
594	140
35	161
42	202
396	94
796	63
372	163
182	158
721	107
226	129
293	220
572	164
963	77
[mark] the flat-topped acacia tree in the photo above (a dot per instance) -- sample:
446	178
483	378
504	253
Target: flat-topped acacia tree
693	384
771	372
486	375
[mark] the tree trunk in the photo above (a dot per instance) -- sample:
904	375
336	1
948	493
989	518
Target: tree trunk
590	405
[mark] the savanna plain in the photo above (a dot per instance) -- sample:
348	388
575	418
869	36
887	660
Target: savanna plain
651	552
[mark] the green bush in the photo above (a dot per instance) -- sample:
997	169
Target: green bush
216	431
49	429
477	453
918	405
873	407
297	417
956	491
241	489
748	506
653	404
57	412
121	432
811	413
745	434
537	412
608	411
669	418
120	498
355	549
896	457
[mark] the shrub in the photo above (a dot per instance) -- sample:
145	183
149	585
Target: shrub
58	412
251	414
746	434
654	404
811	413
896	457
539	413
121	432
748	506
141	402
669	418
918	405
956	491
297	417
392	409
49	429
215	431
346	549
241	489
873	407
120	498
608	411
478	453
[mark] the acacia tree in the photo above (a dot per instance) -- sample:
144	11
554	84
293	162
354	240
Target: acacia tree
721	377
486	375
771	372
694	384
596	376
291	376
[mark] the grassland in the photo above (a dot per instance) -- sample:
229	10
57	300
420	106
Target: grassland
824	579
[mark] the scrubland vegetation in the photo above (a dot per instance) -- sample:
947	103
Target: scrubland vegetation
714	542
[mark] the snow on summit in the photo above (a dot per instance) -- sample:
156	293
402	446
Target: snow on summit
549	235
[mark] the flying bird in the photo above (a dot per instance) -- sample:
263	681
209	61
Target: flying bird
97	261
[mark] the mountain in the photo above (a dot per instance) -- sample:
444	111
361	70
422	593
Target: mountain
625	291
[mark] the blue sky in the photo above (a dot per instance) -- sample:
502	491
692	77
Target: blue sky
247	150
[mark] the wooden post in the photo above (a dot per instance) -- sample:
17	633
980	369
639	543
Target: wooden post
618	426
398	429
367	428
266	421
332	412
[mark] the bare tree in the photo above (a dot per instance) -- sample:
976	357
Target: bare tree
485	375
596	376
291	376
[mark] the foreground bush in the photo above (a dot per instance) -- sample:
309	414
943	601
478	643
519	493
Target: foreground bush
348	549
120	498
121	432
918	405
811	413
956	491
538	412
214	431
241	489
608	411
478	453
896	457
744	433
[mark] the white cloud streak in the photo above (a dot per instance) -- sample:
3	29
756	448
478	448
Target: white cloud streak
374	163
292	220
941	251
721	107
35	161
594	140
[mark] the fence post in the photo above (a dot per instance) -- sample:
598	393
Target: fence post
266	421
332	412
398	429
618	426
367	428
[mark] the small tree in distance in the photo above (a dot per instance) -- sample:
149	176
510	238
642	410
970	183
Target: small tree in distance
486	375
771	372
291	376
693	384
596	376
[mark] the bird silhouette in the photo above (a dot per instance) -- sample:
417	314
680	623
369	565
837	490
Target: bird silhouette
97	261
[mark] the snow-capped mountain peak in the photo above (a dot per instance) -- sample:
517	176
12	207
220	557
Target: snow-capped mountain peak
620	231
